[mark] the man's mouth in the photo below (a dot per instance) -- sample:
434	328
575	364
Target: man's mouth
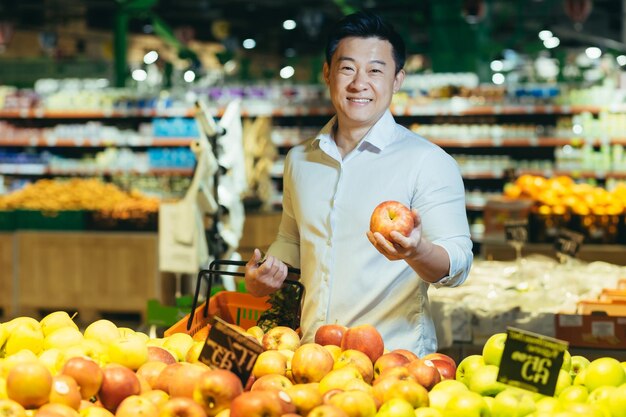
360	100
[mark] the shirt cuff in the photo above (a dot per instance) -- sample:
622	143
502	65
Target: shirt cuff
459	266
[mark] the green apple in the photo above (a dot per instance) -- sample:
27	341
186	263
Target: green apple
467	366
493	348
439	398
579	379
601	395
585	409
427	412
178	344
548	405
484	381
396	407
578	363
574	394
103	330
567	361
604	371
513	402
617	402
466	404
563	381
56	320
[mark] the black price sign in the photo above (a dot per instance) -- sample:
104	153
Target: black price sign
226	348
568	242
516	231
531	361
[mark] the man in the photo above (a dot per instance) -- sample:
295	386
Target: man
333	182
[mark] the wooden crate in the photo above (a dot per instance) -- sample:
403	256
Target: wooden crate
87	272
6	274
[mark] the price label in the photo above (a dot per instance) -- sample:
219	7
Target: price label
568	242
516	231
531	361
226	348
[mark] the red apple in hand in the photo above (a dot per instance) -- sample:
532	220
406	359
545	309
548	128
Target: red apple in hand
330	334
389	216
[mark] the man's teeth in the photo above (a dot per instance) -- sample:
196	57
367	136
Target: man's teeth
360	100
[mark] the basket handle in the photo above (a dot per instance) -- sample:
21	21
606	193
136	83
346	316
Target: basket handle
208	274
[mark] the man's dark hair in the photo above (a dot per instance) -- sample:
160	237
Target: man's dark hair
366	25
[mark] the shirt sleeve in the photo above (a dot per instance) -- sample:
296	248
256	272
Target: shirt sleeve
440	201
286	247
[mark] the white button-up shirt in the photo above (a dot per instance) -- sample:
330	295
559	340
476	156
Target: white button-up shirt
327	204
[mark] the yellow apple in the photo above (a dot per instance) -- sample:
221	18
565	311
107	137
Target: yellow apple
56	320
53	359
178	344
63	338
4	333
338	378
270	362
194	352
104	331
256	332
24	334
129	351
10	361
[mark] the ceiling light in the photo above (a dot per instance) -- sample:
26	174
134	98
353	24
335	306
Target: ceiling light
497	65
287	72
249	43
139	75
621	60
150	57
552	42
593	52
545	34
189	76
289	24
498	78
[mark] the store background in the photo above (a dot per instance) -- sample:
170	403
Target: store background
84	96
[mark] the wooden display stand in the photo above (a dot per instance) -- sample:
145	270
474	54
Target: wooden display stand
6	273
87	272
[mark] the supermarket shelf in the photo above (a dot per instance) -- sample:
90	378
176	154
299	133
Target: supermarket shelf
264	109
520	142
40	169
41	141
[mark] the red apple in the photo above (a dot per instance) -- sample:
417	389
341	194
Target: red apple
256	404
272	382
29	384
397	372
389	360
447	370
164	380
66	391
184	380
310	363
56	410
86	372
329	334
157	353
150	371
136	405
181	407
440	356
424	372
216	389
281	337
389	216
118	382
358	359
407	353
365	338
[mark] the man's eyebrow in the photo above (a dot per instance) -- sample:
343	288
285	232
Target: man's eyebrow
373	61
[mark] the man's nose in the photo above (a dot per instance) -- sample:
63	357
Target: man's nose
359	80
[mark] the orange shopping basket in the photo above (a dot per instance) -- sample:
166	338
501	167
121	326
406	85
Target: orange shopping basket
233	307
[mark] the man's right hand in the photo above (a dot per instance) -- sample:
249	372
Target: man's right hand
264	278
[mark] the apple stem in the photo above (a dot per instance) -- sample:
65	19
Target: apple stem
74	315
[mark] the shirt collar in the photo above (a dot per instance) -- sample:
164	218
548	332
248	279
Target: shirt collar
379	136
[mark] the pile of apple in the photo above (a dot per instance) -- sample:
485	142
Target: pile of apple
49	368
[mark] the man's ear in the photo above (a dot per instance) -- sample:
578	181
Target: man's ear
397	82
326	72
